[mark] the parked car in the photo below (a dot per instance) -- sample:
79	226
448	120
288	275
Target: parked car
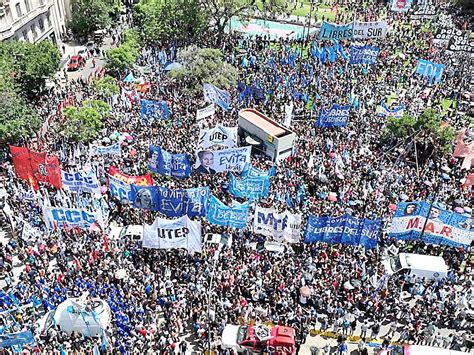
76	62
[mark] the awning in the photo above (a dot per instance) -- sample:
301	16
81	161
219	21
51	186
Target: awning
251	141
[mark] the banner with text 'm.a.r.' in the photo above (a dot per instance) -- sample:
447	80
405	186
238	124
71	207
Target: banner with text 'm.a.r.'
442	227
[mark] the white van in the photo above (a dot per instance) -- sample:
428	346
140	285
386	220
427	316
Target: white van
122	234
427	266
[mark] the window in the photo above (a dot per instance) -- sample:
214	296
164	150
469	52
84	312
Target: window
41	24
28	5
48	19
18	10
33	30
25	35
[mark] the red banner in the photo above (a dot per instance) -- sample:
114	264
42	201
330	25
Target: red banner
36	166
143	180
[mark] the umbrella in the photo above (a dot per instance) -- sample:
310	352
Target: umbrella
113	136
392	206
467	209
305	291
323	178
458	202
332	196
427	183
133	152
173	66
106	140
403	197
459	210
446	169
356	283
128	137
349	211
121	274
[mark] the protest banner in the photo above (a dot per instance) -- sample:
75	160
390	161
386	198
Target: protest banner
151	110
344	229
143	180
219	135
444	34
205	112
80	182
251	171
336	116
364	54
370	30
334	31
430	70
70	217
217	96
461	44
250	187
217	161
17	340
396	112
113	149
401	5
423	9
164	163
284	226
173	234
443	227
222	215
178	202
120	189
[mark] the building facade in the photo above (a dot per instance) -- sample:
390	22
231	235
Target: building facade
33	20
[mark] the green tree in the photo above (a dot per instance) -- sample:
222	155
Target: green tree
91	15
106	86
180	21
221	11
204	65
18	120
427	130
82	124
125	55
28	64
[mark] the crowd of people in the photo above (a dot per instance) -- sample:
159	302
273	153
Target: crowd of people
172	300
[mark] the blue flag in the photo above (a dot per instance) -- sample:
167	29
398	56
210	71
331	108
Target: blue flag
164	163
217	96
222	215
336	116
250	187
151	110
430	70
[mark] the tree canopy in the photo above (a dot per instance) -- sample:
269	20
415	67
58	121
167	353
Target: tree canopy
180	21
125	55
91	15
82	124
106	86
204	65
28	64
427	129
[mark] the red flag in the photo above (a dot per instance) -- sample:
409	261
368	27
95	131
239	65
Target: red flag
21	162
36	166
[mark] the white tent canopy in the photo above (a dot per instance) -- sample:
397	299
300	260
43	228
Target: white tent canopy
89	317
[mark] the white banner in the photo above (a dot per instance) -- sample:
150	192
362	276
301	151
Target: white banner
370	30
173	234
219	135
217	161
113	149
205	112
80	182
280	226
71	217
288	114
